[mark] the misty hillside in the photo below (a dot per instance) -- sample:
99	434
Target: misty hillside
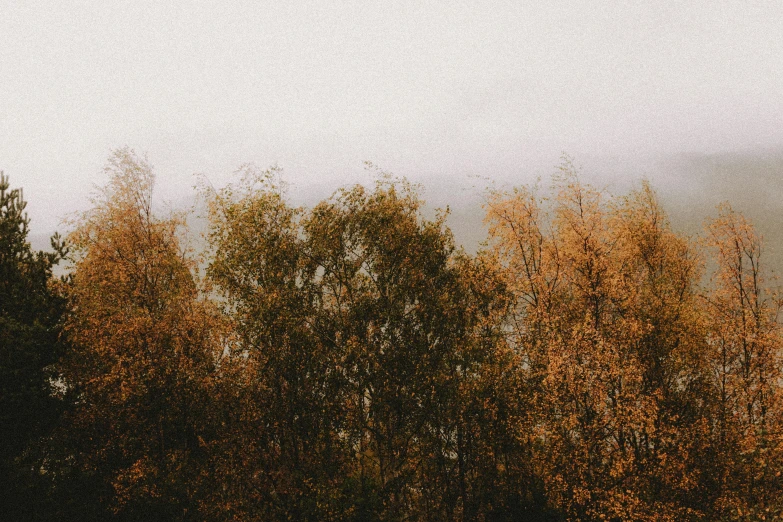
690	187
753	184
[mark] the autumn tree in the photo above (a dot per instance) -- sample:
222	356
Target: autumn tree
143	350
664	270
605	325
292	457
350	362
745	337
418	324
371	353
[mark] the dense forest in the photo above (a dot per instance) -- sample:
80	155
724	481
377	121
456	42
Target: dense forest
350	362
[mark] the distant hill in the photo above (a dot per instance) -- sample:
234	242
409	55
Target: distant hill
690	187
752	183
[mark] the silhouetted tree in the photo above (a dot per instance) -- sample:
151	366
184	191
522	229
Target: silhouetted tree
30	311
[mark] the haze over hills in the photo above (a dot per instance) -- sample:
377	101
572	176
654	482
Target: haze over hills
382	377
690	187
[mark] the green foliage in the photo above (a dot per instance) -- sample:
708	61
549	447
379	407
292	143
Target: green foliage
30	311
365	335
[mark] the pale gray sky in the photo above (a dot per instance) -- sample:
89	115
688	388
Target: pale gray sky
434	91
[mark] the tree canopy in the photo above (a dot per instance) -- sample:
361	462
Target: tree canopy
350	362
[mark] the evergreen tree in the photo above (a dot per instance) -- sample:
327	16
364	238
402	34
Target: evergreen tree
30	310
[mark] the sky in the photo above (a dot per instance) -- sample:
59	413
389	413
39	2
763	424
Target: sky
440	92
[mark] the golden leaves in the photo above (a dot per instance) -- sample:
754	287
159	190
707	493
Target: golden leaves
359	366
618	346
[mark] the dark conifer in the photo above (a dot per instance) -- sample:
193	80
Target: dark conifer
30	311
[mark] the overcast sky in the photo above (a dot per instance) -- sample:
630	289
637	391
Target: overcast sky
435	91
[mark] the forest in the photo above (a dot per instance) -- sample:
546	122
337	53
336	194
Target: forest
350	362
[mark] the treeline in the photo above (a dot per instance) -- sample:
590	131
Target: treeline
349	362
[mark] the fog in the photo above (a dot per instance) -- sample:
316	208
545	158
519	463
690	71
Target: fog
455	96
